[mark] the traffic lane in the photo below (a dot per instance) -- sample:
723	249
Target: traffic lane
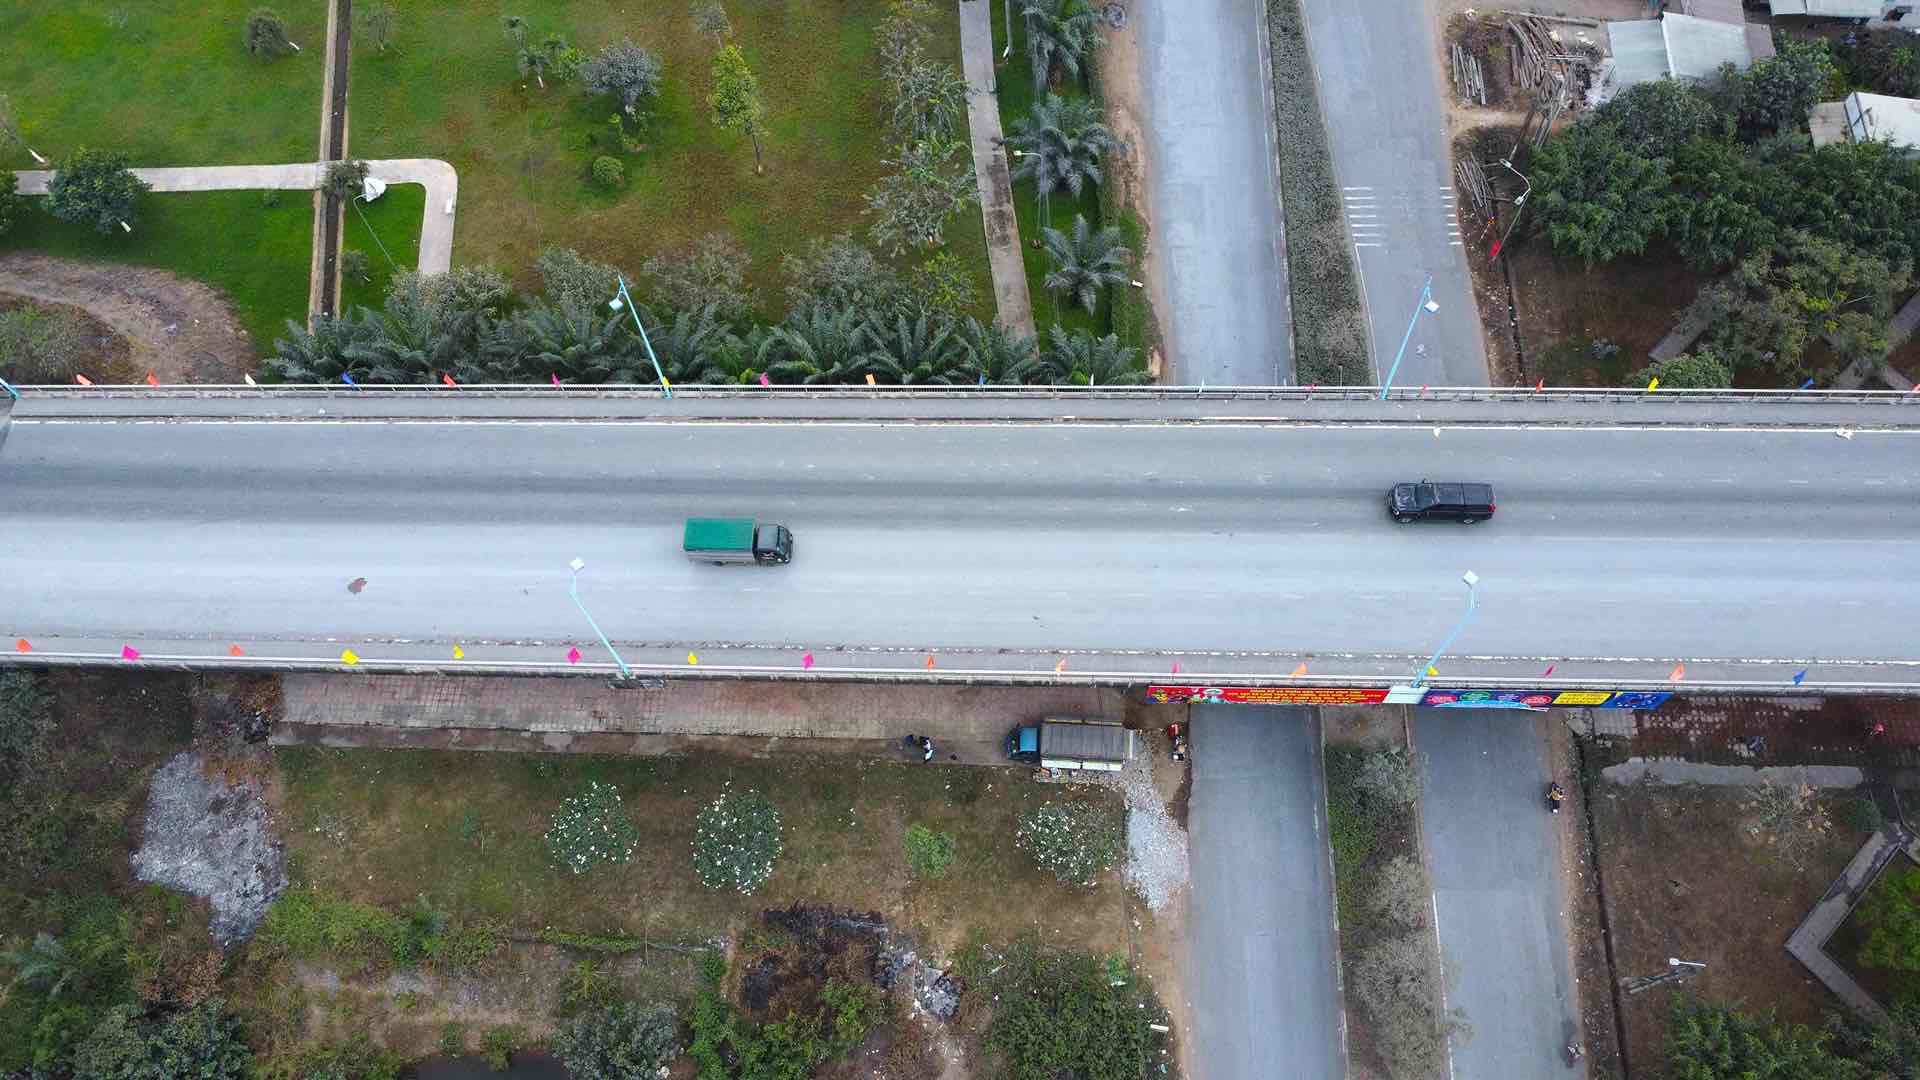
1217	229
1497	890
1371	588
1261	965
606	472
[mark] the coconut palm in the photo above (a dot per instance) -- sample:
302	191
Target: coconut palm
408	341
1085	261
581	346
43	964
1081	358
905	351
686	342
819	343
995	355
320	355
1059	32
1058	145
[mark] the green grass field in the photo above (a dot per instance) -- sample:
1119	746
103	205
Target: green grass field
166	83
255	253
388	230
448	88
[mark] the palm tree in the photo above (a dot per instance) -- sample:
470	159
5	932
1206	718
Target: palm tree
322	354
580	346
923	350
995	355
1086	360
1059	144
42	965
1085	262
686	343
817	344
1059	32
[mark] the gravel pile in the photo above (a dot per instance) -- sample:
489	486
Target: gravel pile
207	839
1156	844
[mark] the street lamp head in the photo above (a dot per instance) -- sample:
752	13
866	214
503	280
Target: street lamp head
578	564
1431	307
1470	578
616	303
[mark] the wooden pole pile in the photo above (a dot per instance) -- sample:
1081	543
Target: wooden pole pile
1544	68
1469	79
1473	180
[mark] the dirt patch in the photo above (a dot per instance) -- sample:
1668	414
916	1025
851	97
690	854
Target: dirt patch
1586	920
1685	877
212	840
182	331
107	351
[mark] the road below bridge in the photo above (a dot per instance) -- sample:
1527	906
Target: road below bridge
1232	549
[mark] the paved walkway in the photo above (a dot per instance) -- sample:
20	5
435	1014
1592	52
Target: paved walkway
1010	296
1669	771
1808	942
436	226
970	723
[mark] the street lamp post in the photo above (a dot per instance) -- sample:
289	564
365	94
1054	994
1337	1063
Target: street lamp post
1426	304
573	590
1472	579
625	299
10	391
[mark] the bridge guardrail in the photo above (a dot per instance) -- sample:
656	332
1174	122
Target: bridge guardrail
1582	395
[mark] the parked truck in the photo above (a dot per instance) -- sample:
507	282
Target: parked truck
737	540
1065	743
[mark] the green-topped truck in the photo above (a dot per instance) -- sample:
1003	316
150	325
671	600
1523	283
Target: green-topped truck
1060	742
721	541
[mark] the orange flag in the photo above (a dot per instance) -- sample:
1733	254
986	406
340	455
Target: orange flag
870	381
929	661
151	381
82	380
23	645
1060	667
235	650
1299	671
1679	672
446	378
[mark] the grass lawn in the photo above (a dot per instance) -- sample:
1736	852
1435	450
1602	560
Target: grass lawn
257	254
388	230
466	829
448	88
167	82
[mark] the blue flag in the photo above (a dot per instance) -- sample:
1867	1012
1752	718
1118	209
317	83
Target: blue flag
1800	677
1808	385
348	379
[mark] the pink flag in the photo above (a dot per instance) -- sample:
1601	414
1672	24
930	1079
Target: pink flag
764	381
806	661
1176	667
151	380
236	650
1060	667
1549	670
83	380
128	652
554	377
573	656
1423	389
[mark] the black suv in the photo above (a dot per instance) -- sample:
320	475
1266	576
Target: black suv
1426	500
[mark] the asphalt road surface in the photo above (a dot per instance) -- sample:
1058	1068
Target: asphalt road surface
1380	87
1217	236
1496	888
1623	544
1262	958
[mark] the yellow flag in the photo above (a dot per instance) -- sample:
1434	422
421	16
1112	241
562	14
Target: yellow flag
870	381
349	657
1431	672
1059	667
1653	384
458	652
1299	671
692	659
666	382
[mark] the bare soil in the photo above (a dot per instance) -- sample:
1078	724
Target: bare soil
1685	878
108	352
1129	172
182	331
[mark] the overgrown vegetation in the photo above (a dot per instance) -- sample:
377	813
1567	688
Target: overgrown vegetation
1329	323
1810	242
1709	1040
736	840
1386	932
591	828
1075	842
1057	1012
929	853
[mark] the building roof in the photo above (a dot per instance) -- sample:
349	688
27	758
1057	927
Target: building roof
1677	46
1726	11
1828	9
1862	117
1639	51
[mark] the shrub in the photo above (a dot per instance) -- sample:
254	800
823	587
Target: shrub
345	179
1400	892
13	205
608	172
736	839
712	273
500	1043
354	265
1062	1013
94	187
266	34
1397	981
1077	842
26	718
929	853
1891	918
1861	814
592	828
1389	777
1699	370
41	345
622	1042
575	282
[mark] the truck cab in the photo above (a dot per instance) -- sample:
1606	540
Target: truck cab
721	541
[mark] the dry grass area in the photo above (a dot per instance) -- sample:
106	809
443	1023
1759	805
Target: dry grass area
1685	876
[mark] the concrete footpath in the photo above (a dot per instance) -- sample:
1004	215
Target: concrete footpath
967	724
1011	300
438	177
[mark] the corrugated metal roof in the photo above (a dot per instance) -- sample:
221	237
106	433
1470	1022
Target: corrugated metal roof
1726	11
1877	116
1697	47
1639	51
1828	9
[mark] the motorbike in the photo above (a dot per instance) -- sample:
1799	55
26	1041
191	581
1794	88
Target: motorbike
1555	796
1177	735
